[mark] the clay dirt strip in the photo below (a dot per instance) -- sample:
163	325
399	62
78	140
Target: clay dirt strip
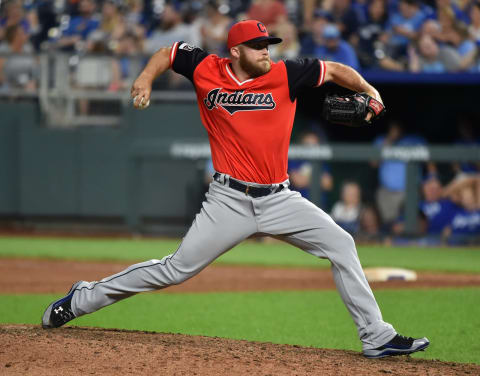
56	276
30	350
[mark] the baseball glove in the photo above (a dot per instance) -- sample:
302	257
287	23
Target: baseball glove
352	109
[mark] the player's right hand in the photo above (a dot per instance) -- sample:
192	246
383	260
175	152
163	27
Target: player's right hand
141	91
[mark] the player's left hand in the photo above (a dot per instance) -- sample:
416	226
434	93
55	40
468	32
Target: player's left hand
370	115
141	91
354	110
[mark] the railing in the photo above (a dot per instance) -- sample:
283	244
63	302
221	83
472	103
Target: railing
413	156
81	89
75	90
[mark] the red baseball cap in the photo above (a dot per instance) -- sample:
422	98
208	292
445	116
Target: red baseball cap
249	31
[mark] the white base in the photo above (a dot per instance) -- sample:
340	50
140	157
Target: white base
389	274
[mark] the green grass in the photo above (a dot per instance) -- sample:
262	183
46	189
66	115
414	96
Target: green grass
449	317
247	253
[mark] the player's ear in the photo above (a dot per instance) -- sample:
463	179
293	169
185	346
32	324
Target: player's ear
235	52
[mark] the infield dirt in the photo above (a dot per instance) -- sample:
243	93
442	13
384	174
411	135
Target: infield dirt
29	350
52	276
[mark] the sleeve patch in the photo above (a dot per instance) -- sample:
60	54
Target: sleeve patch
186	47
185	58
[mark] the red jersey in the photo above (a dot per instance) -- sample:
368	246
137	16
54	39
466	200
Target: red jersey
248	123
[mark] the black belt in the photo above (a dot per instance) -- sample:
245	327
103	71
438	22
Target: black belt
248	189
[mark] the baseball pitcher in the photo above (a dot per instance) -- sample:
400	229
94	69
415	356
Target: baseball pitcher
247	105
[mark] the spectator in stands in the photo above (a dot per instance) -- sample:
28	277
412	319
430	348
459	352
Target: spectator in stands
347	18
447	53
436	210
308	11
390	195
403	27
14	14
126	66
112	22
135	19
466	137
30	9
427	57
335	48
465	47
459	10
79	27
453	33
290	47
94	69
464	228
18	71
446	22
214	27
47	20
300	171
369	226
71	8
270	12
315	38
474	28
370	48
171	29
346	212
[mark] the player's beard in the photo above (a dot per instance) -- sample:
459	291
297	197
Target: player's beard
255	69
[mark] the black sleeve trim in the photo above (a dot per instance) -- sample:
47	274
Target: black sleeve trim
184	58
304	73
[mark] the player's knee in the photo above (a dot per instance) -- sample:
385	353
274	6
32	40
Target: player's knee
180	277
180	272
350	242
344	241
171	273
175	276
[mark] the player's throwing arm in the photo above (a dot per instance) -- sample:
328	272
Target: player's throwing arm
142	87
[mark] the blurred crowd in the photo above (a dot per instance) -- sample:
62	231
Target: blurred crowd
449	210
399	35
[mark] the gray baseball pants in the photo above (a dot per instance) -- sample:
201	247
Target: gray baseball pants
228	217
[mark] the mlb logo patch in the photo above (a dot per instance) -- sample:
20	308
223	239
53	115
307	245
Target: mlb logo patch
186	47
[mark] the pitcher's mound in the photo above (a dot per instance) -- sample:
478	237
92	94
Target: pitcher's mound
29	350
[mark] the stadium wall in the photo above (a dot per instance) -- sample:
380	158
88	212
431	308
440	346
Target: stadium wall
82	172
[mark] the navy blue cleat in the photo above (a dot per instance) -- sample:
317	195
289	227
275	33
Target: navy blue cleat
398	345
60	311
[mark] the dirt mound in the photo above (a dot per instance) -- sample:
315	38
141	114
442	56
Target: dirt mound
30	350
56	276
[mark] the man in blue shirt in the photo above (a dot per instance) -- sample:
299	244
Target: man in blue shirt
335	48
438	211
300	172
403	26
464	227
80	26
392	173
